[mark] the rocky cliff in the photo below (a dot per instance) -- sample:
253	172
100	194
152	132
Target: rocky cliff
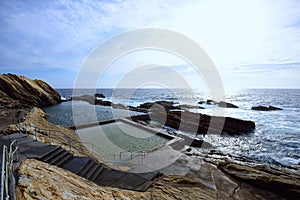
16	91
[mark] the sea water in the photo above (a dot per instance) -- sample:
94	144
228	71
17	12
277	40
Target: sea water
276	138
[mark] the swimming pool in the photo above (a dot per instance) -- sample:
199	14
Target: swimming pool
119	140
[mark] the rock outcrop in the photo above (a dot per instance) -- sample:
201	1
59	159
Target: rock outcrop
221	104
60	184
22	91
232	177
265	108
199	123
224	104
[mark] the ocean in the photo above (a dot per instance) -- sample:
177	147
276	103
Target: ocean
275	140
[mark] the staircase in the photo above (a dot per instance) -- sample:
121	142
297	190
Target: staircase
82	166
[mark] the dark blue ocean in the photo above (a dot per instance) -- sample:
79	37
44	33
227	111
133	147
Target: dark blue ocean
276	138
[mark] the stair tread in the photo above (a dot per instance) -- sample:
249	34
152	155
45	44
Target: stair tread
50	151
64	160
97	173
53	154
86	168
58	157
75	164
91	171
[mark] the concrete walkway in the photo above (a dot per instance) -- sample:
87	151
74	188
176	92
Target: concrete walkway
152	161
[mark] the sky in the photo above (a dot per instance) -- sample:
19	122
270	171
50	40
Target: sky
253	43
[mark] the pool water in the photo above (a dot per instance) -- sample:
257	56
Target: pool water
115	140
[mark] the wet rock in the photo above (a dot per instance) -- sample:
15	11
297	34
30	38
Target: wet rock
211	102
28	92
103	103
186	107
265	108
194	142
224	104
165	104
274	108
201	102
99	95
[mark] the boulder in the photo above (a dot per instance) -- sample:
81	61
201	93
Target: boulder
28	92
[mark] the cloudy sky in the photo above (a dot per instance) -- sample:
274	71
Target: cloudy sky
253	43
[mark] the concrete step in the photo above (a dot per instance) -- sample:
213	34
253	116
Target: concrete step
109	177
25	140
51	155
75	164
86	168
65	159
91	171
59	156
97	173
54	148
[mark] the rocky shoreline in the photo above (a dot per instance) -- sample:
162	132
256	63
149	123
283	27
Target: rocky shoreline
204	175
167	113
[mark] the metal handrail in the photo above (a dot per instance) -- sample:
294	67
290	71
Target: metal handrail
12	153
3	172
7	167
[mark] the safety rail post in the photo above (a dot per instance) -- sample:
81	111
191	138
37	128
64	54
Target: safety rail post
6	180
3	171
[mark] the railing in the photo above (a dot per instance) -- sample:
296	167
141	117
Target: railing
7	167
74	145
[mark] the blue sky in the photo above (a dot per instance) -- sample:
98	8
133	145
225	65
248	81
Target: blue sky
254	43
